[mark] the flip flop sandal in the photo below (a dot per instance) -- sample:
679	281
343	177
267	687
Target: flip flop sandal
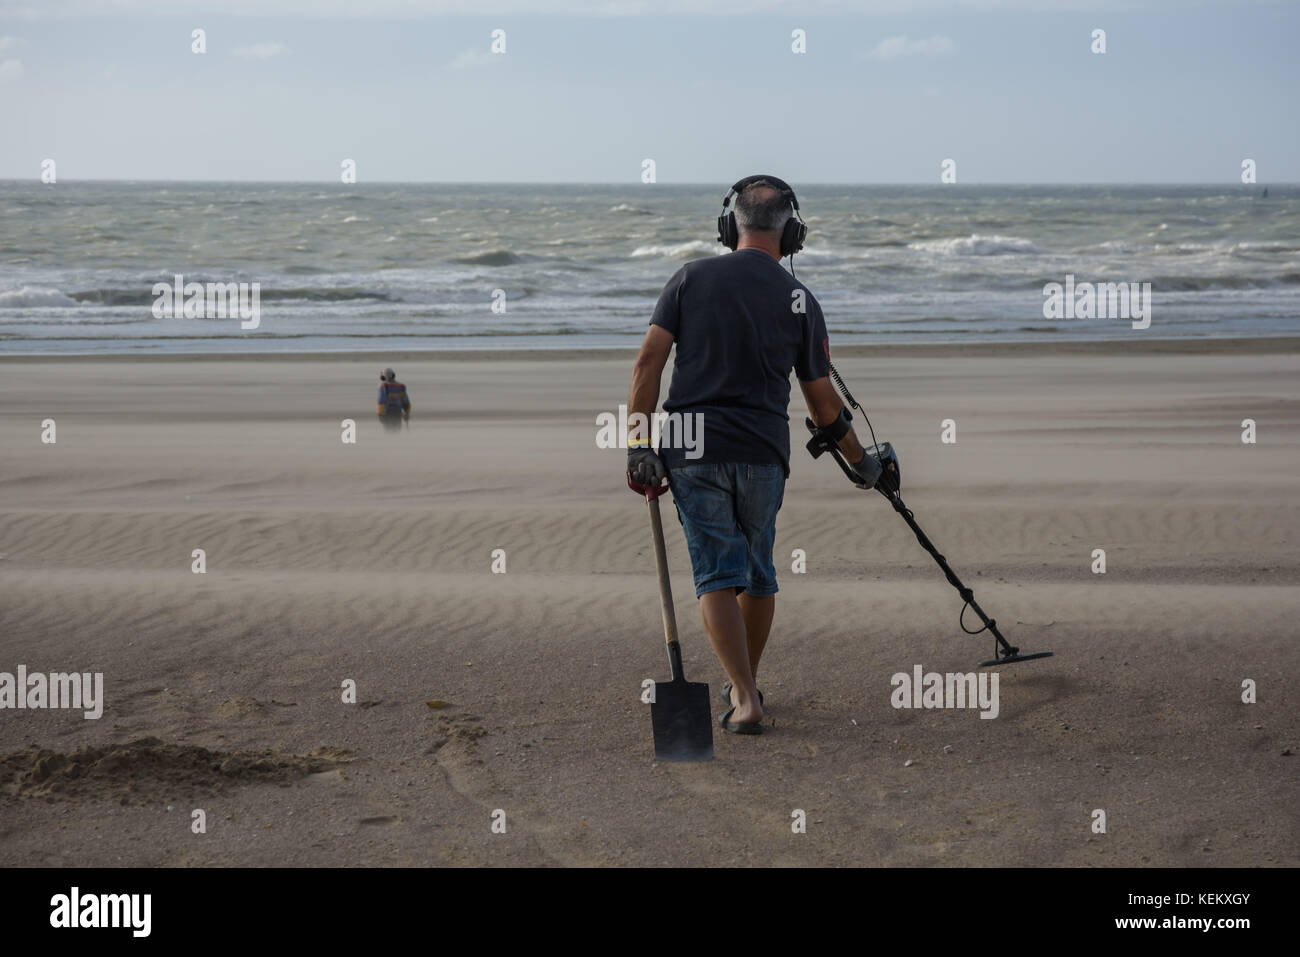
739	727
726	695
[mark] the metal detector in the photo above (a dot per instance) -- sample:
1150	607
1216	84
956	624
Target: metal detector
889	485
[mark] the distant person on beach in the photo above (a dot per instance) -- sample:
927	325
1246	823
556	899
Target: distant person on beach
394	403
741	323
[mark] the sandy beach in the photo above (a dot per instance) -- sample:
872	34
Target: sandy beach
373	562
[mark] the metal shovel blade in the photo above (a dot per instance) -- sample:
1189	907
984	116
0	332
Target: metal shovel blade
683	721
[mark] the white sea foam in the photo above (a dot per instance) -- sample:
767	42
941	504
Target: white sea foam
29	296
687	250
975	245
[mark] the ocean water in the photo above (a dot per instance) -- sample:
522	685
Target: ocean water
389	267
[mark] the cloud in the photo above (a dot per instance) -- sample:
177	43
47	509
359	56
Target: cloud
8	43
261	51
896	47
469	59
10	70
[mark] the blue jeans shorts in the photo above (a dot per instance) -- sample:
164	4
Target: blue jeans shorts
728	512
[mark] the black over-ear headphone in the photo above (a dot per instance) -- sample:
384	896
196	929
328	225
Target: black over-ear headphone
795	232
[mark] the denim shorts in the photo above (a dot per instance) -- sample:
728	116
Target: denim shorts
728	512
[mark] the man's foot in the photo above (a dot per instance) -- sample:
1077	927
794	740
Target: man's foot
749	713
726	696
739	727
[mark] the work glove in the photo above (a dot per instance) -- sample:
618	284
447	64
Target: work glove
890	480
645	466
868	469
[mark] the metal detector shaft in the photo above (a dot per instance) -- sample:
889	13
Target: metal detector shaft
1005	650
967	595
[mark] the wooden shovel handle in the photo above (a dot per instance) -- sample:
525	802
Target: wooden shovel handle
661	565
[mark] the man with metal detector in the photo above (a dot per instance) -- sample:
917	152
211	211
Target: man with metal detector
741	323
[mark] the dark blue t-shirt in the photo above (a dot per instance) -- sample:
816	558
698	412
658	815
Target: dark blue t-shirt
739	332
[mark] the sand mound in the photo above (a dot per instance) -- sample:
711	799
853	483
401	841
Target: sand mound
133	772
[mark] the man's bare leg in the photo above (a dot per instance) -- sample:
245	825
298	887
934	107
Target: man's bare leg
757	610
726	627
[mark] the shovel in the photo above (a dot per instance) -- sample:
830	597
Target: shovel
680	712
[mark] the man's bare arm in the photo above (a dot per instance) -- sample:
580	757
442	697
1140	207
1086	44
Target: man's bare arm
647	372
823	406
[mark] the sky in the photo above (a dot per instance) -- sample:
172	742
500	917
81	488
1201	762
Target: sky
885	92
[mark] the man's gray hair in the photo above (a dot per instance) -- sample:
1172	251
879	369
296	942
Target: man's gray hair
761	207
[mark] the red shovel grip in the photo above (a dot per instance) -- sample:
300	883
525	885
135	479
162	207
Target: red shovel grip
651	492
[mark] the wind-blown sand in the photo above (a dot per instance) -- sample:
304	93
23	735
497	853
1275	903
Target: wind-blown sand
372	562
